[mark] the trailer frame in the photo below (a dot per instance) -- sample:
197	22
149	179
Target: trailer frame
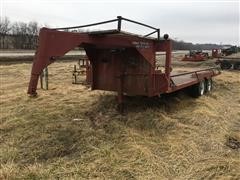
119	61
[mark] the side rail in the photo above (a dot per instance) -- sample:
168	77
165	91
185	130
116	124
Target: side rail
214	70
210	71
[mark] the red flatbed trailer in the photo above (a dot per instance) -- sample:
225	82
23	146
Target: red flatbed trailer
119	61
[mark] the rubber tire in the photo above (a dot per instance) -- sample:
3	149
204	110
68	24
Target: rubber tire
236	66
208	85
225	65
198	89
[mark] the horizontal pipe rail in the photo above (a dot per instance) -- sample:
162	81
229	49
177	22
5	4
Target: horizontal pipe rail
142	24
196	71
136	22
87	25
150	33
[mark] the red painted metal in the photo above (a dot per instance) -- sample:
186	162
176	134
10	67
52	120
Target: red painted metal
119	61
195	56
216	53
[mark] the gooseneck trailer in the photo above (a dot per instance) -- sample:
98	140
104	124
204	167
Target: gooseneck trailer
119	61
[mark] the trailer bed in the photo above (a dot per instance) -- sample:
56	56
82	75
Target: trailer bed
182	80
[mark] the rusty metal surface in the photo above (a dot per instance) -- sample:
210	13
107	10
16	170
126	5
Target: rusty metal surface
194	58
118	61
216	53
187	79
54	44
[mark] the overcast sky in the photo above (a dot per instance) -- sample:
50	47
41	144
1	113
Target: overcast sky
190	20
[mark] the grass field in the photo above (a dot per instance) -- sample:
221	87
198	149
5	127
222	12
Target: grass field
71	132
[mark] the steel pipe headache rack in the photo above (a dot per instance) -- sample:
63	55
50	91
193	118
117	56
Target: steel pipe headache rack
119	26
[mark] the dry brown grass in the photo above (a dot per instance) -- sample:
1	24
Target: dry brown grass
71	132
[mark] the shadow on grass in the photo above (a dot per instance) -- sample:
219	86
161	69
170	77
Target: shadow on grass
169	103
141	113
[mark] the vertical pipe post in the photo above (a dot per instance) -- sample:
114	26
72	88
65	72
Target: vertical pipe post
119	23
46	77
88	72
120	94
41	80
120	81
158	34
74	75
79	63
168	59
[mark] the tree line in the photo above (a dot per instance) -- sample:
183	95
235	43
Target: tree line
21	35
18	35
181	45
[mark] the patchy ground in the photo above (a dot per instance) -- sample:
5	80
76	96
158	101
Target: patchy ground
72	132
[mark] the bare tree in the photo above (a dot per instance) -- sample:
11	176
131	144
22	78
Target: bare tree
32	31
33	28
16	33
25	35
4	29
19	30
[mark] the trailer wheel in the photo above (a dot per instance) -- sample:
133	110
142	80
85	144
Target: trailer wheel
208	85
198	89
225	64
236	66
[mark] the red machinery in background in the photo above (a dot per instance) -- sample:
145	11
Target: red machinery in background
224	61
216	53
196	56
119	61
